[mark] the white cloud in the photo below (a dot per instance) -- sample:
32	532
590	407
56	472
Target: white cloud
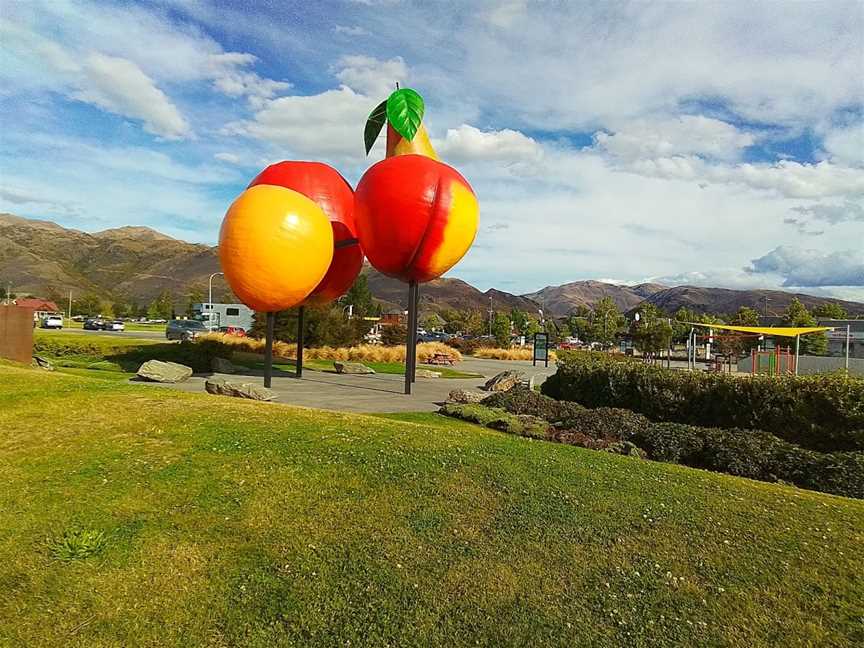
468	143
803	267
370	76
119	86
786	177
846	145
327	124
668	137
350	30
228	157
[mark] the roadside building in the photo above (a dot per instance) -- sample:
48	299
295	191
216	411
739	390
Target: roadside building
41	307
837	337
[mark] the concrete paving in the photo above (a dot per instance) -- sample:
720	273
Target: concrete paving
371	393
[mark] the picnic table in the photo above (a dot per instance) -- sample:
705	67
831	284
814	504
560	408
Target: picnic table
440	359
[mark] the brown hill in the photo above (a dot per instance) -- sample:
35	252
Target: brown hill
137	263
560	301
134	263
724	300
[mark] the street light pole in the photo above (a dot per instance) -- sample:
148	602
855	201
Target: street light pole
210	300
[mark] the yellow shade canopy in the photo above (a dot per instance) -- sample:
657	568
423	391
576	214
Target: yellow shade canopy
780	331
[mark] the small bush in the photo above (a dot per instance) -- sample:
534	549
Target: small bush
394	334
521	400
501	420
77	544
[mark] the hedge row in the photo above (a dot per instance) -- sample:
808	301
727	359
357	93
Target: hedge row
744	453
822	412
198	354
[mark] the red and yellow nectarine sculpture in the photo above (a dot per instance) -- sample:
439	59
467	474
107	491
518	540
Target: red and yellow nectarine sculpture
329	190
275	247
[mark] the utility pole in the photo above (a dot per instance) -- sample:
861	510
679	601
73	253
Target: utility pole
69	314
766	300
210	302
491	311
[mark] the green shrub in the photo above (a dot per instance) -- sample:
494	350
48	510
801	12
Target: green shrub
501	420
745	453
823	412
85	351
521	400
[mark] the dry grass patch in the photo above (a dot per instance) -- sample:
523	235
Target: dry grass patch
360	353
508	354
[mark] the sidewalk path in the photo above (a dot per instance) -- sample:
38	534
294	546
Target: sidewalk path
372	393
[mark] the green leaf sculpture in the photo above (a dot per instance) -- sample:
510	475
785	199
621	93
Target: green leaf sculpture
374	124
405	112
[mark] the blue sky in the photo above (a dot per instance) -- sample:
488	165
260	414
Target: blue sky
701	143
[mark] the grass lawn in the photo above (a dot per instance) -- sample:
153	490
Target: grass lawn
106	341
135	515
130	326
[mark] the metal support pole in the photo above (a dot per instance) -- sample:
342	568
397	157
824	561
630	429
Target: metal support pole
268	349
298	372
411	339
416	324
797	347
847	348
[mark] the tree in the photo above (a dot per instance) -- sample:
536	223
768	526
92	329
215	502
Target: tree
739	344
87	305
652	332
394	334
162	307
797	315
196	296
605	321
680	326
431	321
323	325
830	310
520	320
360	298
501	330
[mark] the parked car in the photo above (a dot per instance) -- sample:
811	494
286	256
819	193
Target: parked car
94	324
432	336
184	329
52	322
113	325
239	331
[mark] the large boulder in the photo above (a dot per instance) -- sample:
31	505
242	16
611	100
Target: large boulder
504	381
164	372
352	368
251	391
223	366
465	396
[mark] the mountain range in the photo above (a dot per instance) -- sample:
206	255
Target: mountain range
137	263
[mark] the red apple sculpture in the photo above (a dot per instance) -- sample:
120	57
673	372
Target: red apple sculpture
325	186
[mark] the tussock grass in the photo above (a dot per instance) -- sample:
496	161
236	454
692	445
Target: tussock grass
508	354
363	352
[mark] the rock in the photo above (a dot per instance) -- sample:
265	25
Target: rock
164	372
352	368
251	391
39	362
504	381
465	396
223	366
216	386
426	373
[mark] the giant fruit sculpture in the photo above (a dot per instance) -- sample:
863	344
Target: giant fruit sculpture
331	192
275	247
416	217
